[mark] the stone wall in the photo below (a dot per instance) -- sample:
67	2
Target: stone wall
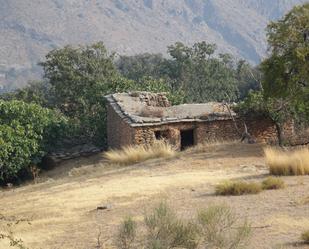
119	133
262	129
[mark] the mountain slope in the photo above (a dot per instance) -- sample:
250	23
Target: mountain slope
30	28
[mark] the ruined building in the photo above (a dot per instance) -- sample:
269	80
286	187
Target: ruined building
142	117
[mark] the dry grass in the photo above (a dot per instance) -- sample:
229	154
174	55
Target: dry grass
140	153
287	162
210	146
273	183
305	237
238	188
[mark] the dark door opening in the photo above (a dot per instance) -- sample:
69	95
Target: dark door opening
187	139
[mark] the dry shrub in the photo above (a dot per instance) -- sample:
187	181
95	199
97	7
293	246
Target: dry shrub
287	162
140	153
152	112
210	146
219	230
305	237
166	230
238	188
214	227
273	183
126	234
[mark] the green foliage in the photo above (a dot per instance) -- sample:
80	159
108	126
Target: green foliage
194	71
199	74
160	85
37	92
286	71
27	132
139	66
79	78
238	188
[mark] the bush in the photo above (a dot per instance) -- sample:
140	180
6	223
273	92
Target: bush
135	154
287	163
217	224
27	133
165	230
213	228
238	188
273	183
127	234
305	237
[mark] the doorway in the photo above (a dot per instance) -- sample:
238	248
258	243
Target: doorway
187	138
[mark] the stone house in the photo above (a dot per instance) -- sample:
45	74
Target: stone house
142	117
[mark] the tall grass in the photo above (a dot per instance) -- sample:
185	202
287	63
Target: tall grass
238	188
134	154
287	162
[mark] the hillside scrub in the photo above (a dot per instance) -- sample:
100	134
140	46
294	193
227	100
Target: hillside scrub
213	227
134	154
287	162
238	188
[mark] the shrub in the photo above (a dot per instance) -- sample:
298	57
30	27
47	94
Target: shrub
165	230
238	188
287	162
127	233
273	183
135	154
214	227
27	132
305	237
217	224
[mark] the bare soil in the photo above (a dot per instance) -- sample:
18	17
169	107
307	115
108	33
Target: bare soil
63	207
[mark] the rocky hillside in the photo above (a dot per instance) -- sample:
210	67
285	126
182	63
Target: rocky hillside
30	28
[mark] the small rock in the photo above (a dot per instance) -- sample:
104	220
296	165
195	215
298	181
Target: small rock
104	207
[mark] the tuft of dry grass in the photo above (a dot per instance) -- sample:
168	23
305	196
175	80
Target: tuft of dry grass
305	237
273	183
238	188
287	162
134	154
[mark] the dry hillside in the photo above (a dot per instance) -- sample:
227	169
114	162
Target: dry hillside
30	28
63	208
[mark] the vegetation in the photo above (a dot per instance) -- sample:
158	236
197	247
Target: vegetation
213	228
287	162
194	71
238	188
27	133
285	86
273	183
140	153
305	237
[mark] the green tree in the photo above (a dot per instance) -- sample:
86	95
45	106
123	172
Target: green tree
286	71
202	76
139	66
38	92
79	78
27	133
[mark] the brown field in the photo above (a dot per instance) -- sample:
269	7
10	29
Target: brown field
63	212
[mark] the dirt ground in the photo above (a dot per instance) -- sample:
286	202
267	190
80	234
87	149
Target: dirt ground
62	208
